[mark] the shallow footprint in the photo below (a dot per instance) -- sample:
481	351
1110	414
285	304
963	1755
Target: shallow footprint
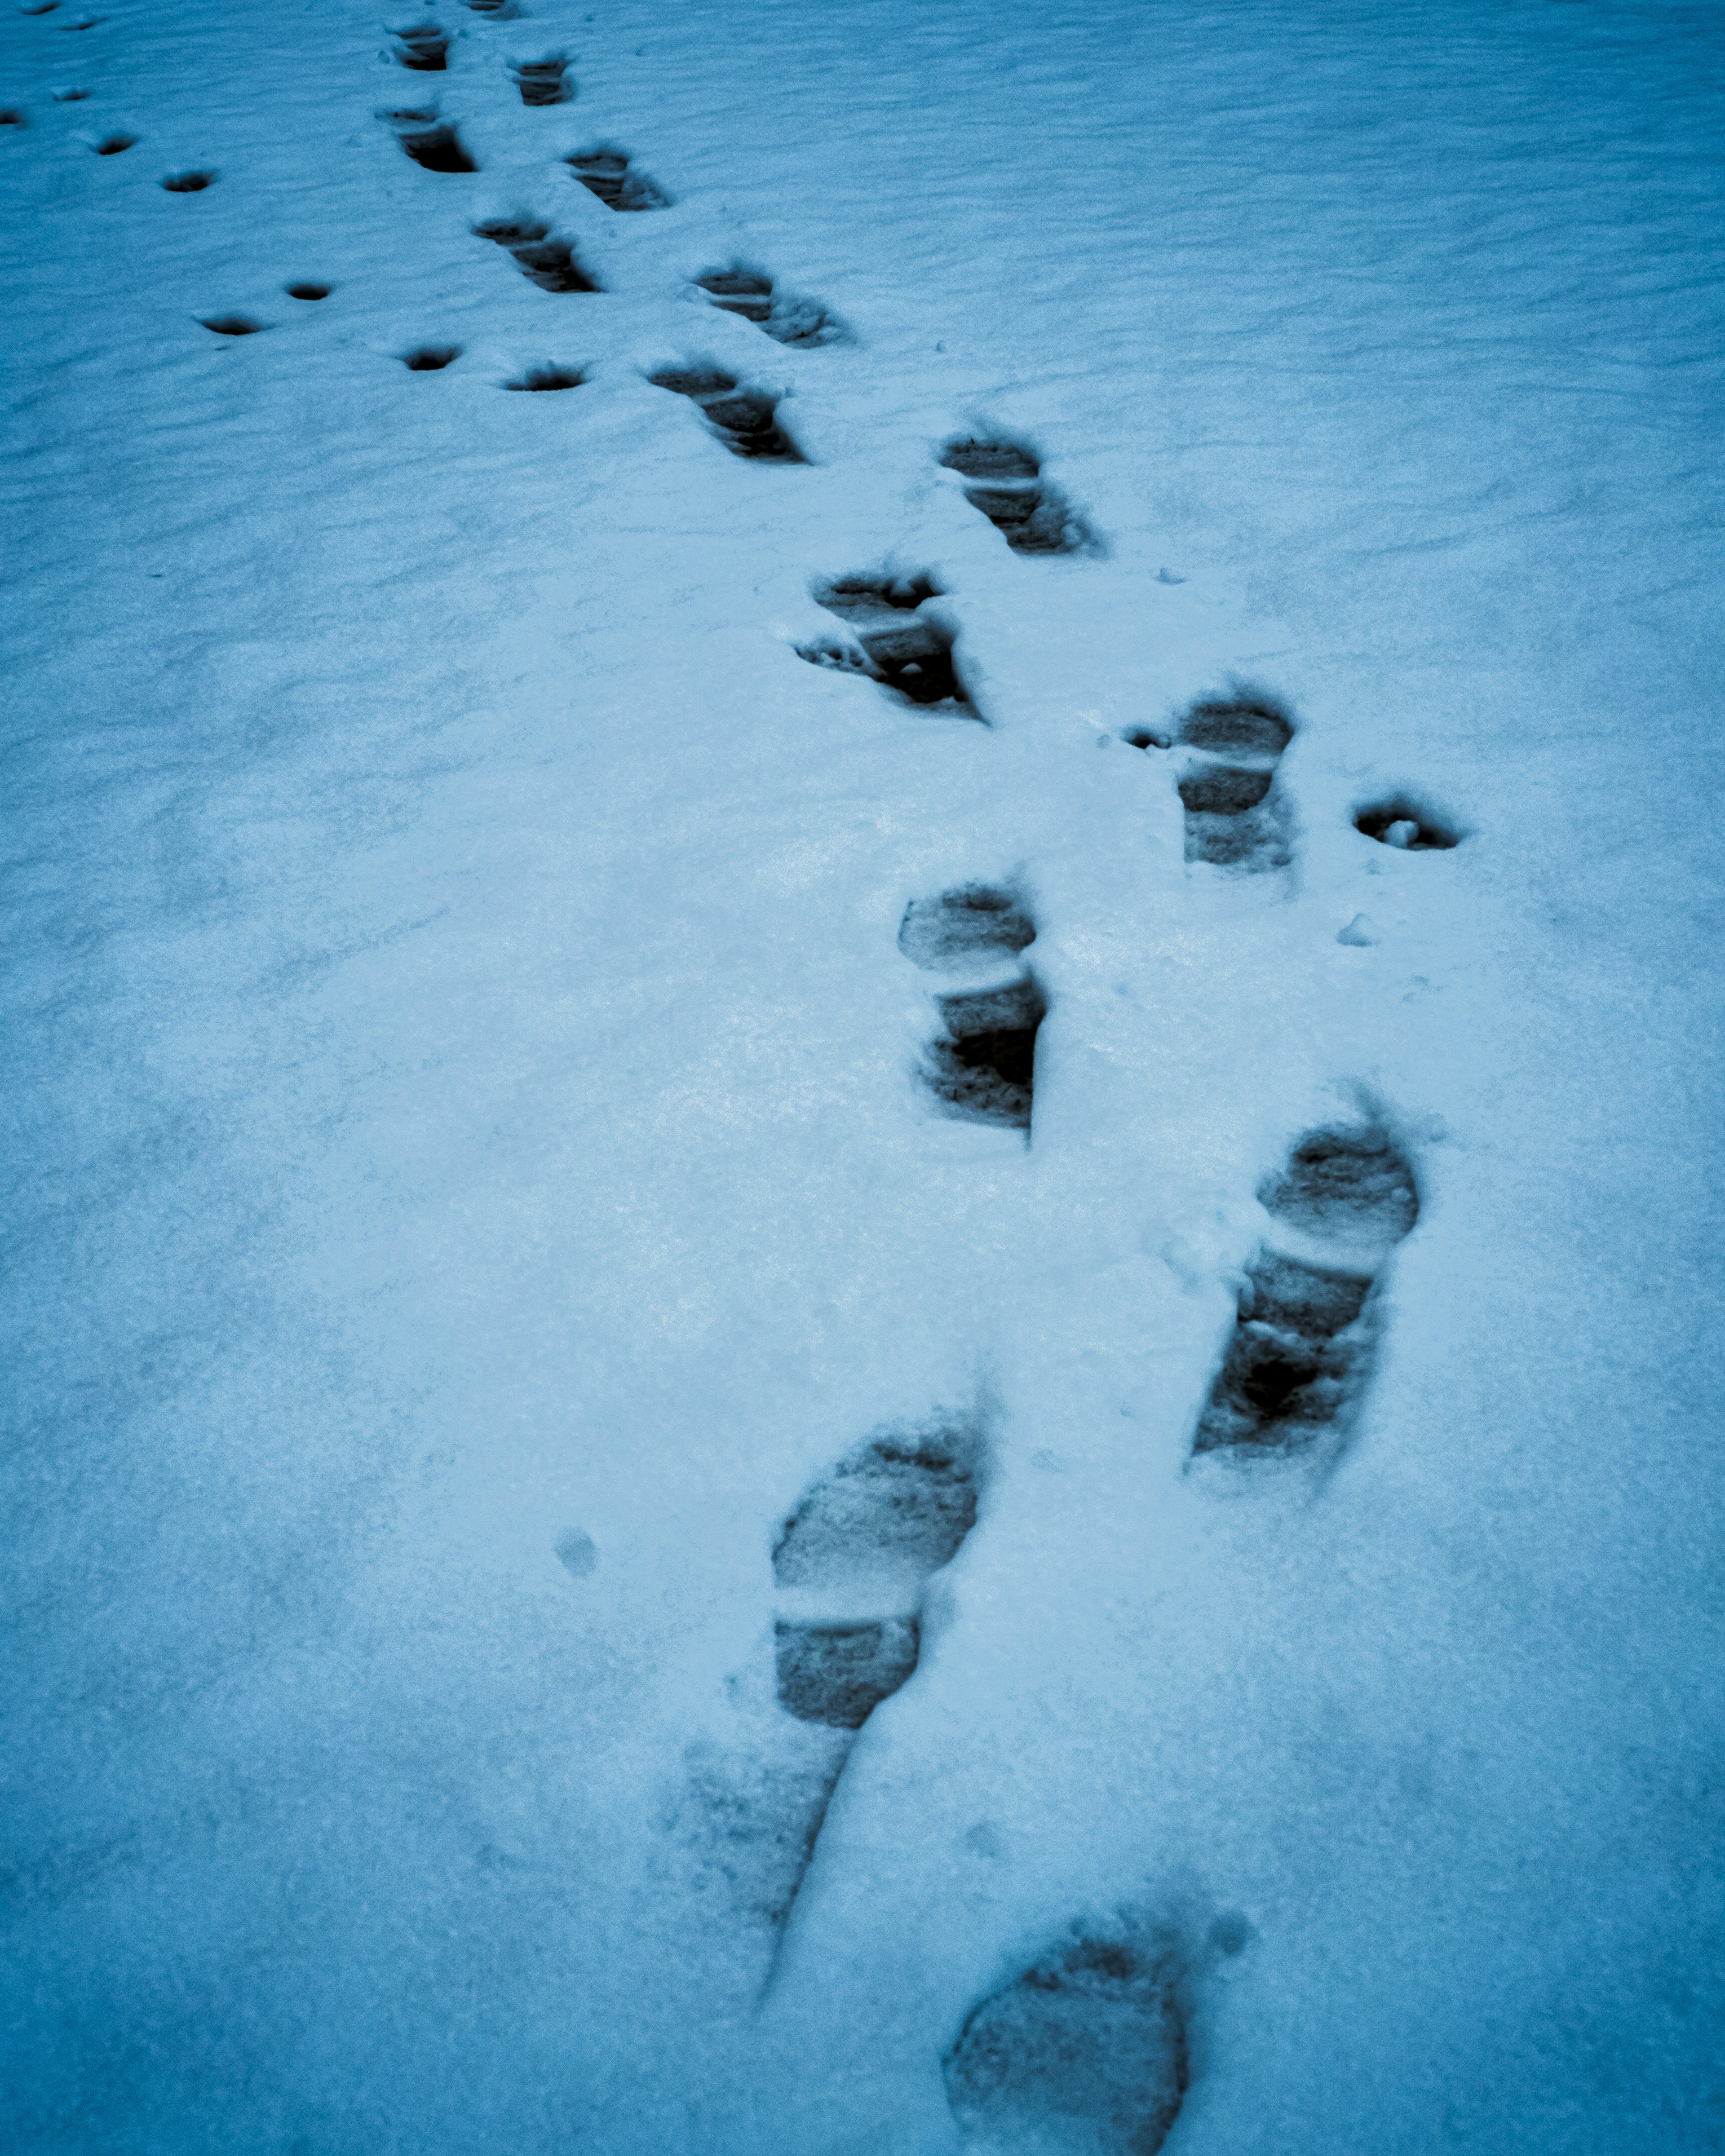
974	921
1228	751
853	1559
1304	1342
1086	2054
850	1566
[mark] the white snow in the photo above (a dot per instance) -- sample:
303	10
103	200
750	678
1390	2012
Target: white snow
470	1171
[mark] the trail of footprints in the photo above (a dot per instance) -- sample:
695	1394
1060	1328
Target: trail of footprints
1086	2048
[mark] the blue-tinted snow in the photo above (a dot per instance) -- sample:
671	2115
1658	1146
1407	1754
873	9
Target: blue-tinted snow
461	1069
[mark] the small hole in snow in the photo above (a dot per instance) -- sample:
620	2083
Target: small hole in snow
547	378
111	146
189	183
308	291
1399	822
429	358
231	325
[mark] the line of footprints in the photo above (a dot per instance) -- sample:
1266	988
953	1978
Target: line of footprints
1087	2048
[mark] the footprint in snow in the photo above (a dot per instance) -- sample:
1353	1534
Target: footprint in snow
1006	484
545	81
1226	750
608	174
425	47
850	1568
1088	2052
982	1067
550	262
431	143
752	295
1300	1355
903	648
745	420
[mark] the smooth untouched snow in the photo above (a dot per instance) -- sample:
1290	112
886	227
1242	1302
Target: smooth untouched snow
482	1151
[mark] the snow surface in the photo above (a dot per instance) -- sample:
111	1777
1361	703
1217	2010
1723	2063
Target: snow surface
469	1173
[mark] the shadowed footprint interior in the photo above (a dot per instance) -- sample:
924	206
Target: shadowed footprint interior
1032	516
619	184
744	419
905	649
785	318
543	82
549	263
1301	1351
983	1069
425	49
437	149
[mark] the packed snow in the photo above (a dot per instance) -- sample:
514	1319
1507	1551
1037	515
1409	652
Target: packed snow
863	1207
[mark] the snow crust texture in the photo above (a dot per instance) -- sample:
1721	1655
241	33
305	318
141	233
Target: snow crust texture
861	1276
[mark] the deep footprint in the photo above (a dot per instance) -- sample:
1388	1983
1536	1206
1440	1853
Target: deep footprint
1304	1342
743	420
1086	2054
543	82
549	263
608	174
435	149
1228	752
1031	516
753	295
984	1069
425	49
906	649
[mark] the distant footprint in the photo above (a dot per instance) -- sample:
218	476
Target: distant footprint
1086	2054
905	649
851	1566
1030	514
111	146
983	1066
1227	750
608	174
752	295
745	420
543	82
549	263
189	183
425	49
1304	1342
